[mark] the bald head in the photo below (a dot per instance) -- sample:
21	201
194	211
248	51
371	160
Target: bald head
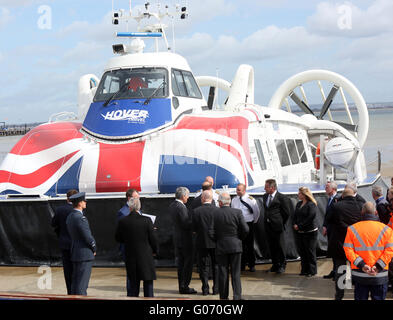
369	208
348	192
209	179
224	199
207	196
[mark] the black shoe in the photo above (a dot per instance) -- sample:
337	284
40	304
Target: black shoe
252	269
205	292
280	270
329	276
187	291
273	269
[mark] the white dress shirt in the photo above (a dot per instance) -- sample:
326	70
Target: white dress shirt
248	216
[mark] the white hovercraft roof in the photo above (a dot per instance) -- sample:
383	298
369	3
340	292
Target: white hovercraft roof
151	59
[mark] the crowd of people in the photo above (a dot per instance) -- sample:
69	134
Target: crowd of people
218	232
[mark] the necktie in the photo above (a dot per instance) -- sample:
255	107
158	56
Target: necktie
269	200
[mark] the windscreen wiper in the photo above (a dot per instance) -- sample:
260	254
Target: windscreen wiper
154	93
113	96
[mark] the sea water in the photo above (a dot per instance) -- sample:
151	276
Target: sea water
378	139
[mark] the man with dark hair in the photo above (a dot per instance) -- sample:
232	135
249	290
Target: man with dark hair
182	237
125	210
60	227
83	245
277	212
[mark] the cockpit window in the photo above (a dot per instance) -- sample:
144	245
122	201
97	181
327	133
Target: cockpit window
184	84
133	83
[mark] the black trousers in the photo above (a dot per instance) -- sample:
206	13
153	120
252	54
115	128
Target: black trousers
185	259
206	263
307	246
377	292
81	277
276	246
135	288
248	254
229	263
67	268
339	276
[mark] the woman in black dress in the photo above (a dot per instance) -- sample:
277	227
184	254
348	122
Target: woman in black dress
305	225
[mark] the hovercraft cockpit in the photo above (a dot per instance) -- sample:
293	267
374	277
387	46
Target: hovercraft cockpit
135	97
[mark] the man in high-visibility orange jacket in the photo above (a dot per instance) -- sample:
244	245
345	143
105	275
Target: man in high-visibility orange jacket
368	246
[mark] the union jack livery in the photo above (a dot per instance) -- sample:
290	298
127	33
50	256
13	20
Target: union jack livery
146	125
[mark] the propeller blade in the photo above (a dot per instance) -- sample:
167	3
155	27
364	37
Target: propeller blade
348	126
302	105
328	101
210	101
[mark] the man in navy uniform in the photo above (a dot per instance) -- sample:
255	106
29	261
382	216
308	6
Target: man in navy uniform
60	226
83	246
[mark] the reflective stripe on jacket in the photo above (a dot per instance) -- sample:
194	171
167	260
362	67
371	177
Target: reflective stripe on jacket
370	243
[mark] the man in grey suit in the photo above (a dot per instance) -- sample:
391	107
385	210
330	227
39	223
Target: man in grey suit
83	245
230	229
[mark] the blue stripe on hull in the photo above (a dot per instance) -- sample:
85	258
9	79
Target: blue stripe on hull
190	172
69	180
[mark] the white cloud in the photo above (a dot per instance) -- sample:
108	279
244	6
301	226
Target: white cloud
268	43
21	3
5	17
345	19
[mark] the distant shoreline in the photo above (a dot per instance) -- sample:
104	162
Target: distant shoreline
314	108
369	107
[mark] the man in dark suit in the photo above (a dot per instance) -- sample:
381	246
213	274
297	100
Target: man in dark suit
345	212
381	204
83	245
331	192
197	202
124	212
277	212
182	237
203	226
140	244
60	227
352	185
230	229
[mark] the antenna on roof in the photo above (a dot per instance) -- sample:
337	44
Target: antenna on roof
154	31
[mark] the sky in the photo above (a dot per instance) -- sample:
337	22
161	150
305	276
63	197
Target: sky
47	45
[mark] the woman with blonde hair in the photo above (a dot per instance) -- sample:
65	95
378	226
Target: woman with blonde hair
305	225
